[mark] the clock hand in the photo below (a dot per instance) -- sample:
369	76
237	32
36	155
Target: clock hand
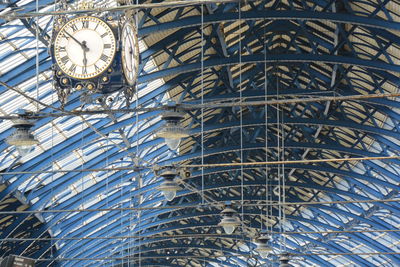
85	48
84	58
83	45
130	41
131	53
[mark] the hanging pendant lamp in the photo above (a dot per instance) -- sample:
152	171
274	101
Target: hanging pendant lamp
263	248
172	131
229	220
284	260
169	187
22	138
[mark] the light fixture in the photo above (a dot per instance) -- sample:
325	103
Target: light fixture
172	131
168	187
262	245
22	138
284	260
229	220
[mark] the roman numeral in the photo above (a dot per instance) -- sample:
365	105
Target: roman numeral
72	68
104	35
65	36
96	68
107	46
85	24
104	57
62	49
64	59
74	27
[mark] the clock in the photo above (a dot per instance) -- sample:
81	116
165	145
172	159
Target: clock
130	53
94	54
84	47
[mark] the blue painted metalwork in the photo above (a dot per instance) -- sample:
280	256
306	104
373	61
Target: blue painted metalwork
271	59
273	15
290	48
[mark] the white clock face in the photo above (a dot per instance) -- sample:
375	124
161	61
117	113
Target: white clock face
130	53
84	47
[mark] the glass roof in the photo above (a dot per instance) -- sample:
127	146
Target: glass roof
90	187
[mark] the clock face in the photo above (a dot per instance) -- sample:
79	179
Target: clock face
130	53
84	47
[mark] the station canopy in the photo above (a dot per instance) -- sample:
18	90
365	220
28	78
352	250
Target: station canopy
310	84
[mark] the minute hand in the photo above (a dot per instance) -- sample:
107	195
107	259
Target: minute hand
84	47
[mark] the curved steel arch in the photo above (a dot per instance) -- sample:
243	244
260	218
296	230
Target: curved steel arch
294	218
272	15
352	128
270	58
172	237
72	143
333	190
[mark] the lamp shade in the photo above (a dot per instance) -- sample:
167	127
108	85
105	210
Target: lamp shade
173	144
263	248
169	195
230	221
169	188
24	150
284	260
22	138
172	131
229	229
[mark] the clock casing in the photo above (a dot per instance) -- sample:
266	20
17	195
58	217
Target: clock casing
84	47
88	56
130	52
